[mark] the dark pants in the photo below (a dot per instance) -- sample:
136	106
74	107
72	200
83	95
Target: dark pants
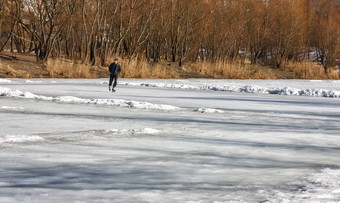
111	80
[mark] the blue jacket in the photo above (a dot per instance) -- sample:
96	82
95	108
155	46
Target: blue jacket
115	69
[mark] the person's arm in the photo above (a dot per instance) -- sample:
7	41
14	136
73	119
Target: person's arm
110	68
119	69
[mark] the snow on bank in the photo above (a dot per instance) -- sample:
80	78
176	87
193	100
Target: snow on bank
31	81
5	81
12	108
318	187
105	83
73	136
102	134
244	88
7	92
19	139
208	110
134	131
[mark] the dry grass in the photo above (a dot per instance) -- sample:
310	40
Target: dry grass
237	70
20	66
334	74
142	69
311	70
25	66
71	69
9	71
165	70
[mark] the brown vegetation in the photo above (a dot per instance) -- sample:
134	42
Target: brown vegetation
221	69
62	68
134	68
310	70
20	66
223	34
25	66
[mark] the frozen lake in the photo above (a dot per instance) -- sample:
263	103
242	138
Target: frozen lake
67	140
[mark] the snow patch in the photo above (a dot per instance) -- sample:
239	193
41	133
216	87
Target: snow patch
5	81
90	134
245	88
12	108
134	131
31	81
7	92
104	83
19	139
317	187
208	110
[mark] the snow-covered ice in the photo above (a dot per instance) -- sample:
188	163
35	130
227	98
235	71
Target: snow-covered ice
71	99
19	139
194	140
318	187
33	81
11	108
208	110
5	80
244	88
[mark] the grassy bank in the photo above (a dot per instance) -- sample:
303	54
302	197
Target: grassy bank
25	66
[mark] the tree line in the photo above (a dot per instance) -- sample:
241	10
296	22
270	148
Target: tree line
267	32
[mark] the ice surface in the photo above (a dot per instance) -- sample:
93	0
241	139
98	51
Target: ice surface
317	187
208	110
5	81
33	81
6	92
245	88
137	131
19	139
11	108
63	141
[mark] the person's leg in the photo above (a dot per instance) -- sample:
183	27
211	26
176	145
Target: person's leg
115	83
111	80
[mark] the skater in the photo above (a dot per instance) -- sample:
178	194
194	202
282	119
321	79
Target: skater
114	69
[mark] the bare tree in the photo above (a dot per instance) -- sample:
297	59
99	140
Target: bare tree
268	32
